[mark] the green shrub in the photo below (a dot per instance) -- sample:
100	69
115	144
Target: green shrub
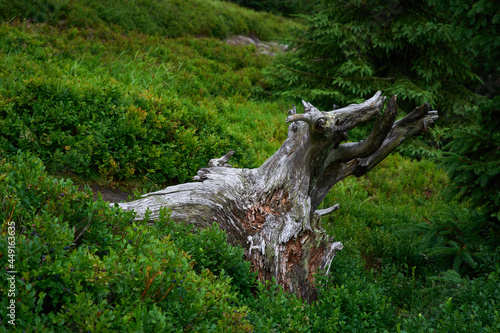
99	130
450	242
210	250
350	301
172	18
85	265
375	207
153	113
400	244
283	7
274	310
470	305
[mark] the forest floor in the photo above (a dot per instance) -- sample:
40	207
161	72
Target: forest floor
109	193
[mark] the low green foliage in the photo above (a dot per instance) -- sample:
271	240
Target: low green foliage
282	7
210	250
90	97
468	305
85	265
446	242
274	310
172	18
396	223
396	193
112	108
349	301
91	266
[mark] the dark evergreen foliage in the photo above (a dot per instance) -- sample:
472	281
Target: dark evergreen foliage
420	50
473	161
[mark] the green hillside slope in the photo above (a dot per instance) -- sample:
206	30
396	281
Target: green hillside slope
126	106
172	18
128	94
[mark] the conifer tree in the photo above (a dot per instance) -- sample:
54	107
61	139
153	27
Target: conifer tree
472	161
420	50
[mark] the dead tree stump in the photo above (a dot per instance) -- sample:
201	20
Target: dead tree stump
272	211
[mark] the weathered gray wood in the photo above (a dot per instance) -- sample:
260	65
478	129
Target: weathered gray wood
272	211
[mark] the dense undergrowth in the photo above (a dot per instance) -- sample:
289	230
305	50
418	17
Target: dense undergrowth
125	107
83	95
85	265
172	18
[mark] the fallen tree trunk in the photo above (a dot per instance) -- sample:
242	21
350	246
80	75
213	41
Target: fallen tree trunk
272	211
